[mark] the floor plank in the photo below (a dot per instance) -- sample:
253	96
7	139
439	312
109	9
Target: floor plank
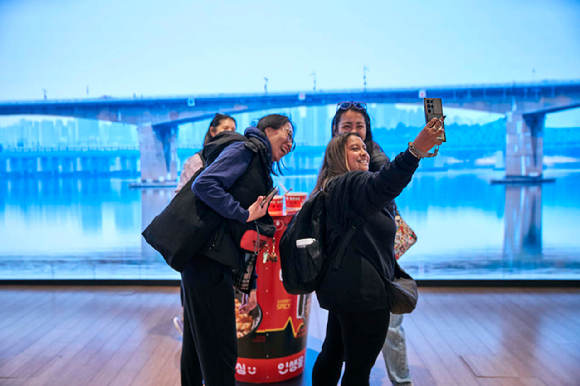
122	336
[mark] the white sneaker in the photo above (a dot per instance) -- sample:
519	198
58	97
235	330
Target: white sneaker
178	324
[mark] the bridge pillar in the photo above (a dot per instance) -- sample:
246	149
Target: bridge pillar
524	145
523	222
158	150
68	166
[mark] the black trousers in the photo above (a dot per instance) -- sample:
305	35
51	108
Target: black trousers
210	347
356	339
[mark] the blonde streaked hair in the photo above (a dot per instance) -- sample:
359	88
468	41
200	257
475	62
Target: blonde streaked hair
334	163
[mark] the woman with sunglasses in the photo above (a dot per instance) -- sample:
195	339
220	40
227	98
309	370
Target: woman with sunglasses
353	117
234	185
355	293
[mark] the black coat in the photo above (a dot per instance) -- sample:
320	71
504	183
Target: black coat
378	159
223	246
358	284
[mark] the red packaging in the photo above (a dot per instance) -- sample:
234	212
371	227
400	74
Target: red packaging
274	349
294	201
276	205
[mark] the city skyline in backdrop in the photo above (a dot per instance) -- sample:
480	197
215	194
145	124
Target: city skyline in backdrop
313	126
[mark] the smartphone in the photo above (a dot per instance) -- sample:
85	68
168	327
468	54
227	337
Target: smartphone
270	194
434	109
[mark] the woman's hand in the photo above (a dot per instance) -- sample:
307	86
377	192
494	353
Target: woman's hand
257	210
427	138
249	302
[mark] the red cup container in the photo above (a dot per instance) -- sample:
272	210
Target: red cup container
294	201
276	205
272	346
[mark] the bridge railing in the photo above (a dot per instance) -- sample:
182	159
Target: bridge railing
36	149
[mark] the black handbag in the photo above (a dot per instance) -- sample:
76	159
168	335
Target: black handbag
182	228
402	292
187	224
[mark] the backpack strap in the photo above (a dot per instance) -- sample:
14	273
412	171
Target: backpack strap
344	244
200	154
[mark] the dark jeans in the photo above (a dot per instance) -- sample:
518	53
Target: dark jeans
356	339
210	347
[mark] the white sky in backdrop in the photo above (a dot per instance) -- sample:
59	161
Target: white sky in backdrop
155	48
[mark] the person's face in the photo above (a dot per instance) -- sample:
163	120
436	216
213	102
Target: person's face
225	125
352	121
280	140
357	157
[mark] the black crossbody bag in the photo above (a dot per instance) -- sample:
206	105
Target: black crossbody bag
402	292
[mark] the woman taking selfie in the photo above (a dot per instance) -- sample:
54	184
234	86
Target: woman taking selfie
355	294
352	117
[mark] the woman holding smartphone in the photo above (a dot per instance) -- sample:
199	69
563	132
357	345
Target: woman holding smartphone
355	294
352	117
234	185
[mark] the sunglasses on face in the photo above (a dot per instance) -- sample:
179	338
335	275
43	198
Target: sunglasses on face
348	105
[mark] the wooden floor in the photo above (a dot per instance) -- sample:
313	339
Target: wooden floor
101	336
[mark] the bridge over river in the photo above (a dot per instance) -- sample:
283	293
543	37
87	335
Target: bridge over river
158	118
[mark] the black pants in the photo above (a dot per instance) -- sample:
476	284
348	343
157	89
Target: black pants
210	347
356	339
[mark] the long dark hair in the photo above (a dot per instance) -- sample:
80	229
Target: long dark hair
334	161
215	122
276	122
369	134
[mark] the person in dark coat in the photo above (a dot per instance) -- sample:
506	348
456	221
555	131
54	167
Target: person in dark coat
355	293
353	117
233	185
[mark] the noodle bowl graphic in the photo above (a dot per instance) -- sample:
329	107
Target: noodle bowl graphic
246	323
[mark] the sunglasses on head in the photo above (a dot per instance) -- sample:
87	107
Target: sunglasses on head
348	105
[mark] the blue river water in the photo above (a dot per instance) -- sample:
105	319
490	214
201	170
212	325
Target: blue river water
467	227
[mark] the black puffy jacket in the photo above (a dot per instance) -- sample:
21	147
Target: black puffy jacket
358	284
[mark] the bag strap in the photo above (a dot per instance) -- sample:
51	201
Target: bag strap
257	245
344	244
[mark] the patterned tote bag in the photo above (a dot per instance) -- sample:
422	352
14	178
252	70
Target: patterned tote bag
405	237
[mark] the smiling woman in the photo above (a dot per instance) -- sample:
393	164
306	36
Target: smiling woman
280	132
233	185
357	157
353	291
